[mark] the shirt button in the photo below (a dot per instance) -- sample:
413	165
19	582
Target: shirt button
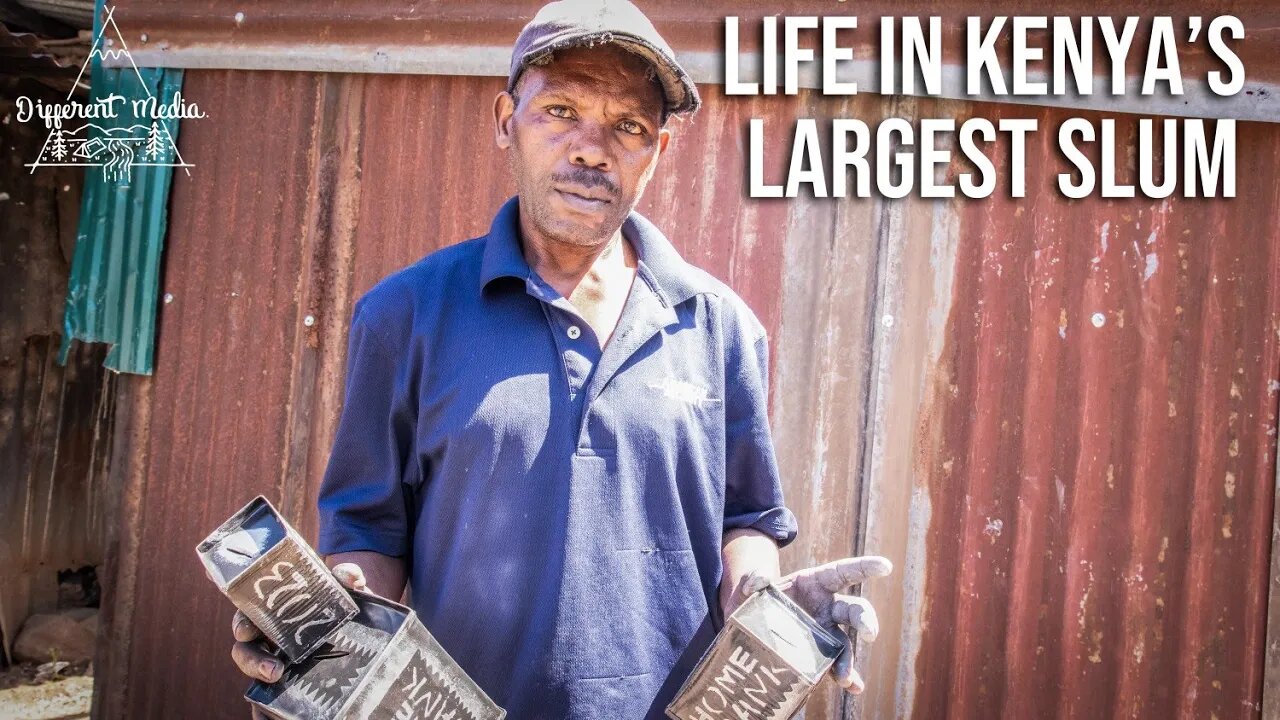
574	332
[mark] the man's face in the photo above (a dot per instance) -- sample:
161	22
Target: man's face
584	136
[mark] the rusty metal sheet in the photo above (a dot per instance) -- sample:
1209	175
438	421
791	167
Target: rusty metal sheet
76	13
473	38
55	63
1271	666
919	379
211	424
1086	396
688	26
55	421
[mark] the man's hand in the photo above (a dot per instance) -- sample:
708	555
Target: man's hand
252	653
351	576
819	590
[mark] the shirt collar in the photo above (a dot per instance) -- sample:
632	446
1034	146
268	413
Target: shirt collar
503	256
674	280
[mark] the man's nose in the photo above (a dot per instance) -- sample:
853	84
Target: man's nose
591	147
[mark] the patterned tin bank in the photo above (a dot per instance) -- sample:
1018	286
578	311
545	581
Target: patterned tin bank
763	664
382	665
259	561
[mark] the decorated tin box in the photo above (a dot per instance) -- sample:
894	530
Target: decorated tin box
276	579
382	665
763	664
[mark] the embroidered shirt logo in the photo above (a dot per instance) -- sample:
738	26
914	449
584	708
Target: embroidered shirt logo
684	392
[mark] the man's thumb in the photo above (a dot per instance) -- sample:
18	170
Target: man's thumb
351	575
753	583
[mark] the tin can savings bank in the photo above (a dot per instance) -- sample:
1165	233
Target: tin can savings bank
352	655
274	577
382	665
762	666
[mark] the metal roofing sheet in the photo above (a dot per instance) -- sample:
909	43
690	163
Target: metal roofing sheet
474	38
1078	511
115	274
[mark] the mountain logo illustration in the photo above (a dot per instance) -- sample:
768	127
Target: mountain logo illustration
112	146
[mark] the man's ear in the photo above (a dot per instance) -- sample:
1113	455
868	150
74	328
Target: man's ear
664	137
504	107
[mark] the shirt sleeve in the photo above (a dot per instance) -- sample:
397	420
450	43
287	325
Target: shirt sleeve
364	502
753	486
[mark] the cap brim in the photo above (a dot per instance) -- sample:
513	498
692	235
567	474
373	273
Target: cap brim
679	91
678	88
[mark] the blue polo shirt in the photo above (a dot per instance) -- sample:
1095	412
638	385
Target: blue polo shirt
560	508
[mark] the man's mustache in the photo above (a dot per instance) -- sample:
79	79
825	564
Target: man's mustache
586	178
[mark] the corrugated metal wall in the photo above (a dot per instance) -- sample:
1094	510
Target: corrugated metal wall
1075	448
55	421
1078	513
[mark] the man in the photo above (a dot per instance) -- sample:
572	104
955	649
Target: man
556	434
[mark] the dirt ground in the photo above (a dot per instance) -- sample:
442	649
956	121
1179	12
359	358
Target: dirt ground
45	692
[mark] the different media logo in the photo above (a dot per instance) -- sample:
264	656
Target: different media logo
134	133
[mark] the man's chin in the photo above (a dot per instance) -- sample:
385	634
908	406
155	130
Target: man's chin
580	230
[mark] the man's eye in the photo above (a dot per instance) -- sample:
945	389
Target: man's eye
560	111
631	127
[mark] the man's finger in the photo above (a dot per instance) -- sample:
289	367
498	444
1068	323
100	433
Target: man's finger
351	575
846	677
243	628
840	574
856	613
255	663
